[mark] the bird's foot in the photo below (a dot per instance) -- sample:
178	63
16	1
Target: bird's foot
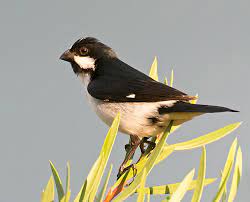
122	170
151	146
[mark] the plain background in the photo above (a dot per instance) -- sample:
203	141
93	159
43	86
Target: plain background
43	112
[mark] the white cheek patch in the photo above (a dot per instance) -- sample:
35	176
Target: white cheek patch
130	96
85	62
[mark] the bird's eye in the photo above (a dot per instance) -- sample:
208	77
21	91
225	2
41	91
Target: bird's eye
83	51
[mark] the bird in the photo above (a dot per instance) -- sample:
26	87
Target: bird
146	106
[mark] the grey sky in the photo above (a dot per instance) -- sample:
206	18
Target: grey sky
44	115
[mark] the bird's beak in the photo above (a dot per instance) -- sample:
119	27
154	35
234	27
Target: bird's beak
67	56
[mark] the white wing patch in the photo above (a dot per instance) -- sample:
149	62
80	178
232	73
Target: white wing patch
130	96
85	62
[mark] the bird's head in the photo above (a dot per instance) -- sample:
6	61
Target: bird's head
85	52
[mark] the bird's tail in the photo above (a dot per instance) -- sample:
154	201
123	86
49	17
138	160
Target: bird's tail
187	107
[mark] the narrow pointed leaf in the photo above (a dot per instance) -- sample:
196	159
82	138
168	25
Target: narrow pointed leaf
103	190
182	188
68	191
230	159
172	78
68	178
153	70
220	192
58	182
236	176
88	184
171	188
148	197
48	194
106	150
141	195
149	165
206	139
201	178
166	81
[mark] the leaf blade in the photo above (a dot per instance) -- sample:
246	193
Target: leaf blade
171	188
201	177
206	139
236	176
153	73
183	187
48	194
106	150
58	182
103	190
141	195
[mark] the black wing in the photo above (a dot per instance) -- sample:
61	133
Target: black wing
114	80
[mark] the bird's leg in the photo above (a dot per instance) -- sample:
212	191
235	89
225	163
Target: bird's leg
134	143
151	146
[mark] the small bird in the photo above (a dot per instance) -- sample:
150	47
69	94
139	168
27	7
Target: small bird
146	106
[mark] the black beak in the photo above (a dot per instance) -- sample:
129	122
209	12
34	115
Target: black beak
67	56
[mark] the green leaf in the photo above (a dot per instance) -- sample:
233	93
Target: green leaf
223	185
166	81
172	78
94	178
183	187
58	182
68	191
103	190
106	150
236	176
201	177
226	171
148	197
88	184
48	194
149	165
166	151
141	195
68	178
230	160
206	139
171	188
153	70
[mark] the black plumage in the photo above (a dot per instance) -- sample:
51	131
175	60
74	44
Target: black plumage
188	107
114	80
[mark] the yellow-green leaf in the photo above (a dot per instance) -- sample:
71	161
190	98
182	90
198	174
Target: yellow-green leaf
183	187
48	194
103	190
153	70
149	165
171	188
230	160
167	150
236	176
106	150
68	191
58	181
206	139
141	195
201	178
166	81
90	187
172	78
88	184
220	192
148	197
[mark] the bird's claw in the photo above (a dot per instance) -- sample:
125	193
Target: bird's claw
123	170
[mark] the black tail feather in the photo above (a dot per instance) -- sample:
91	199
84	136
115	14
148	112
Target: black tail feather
187	107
